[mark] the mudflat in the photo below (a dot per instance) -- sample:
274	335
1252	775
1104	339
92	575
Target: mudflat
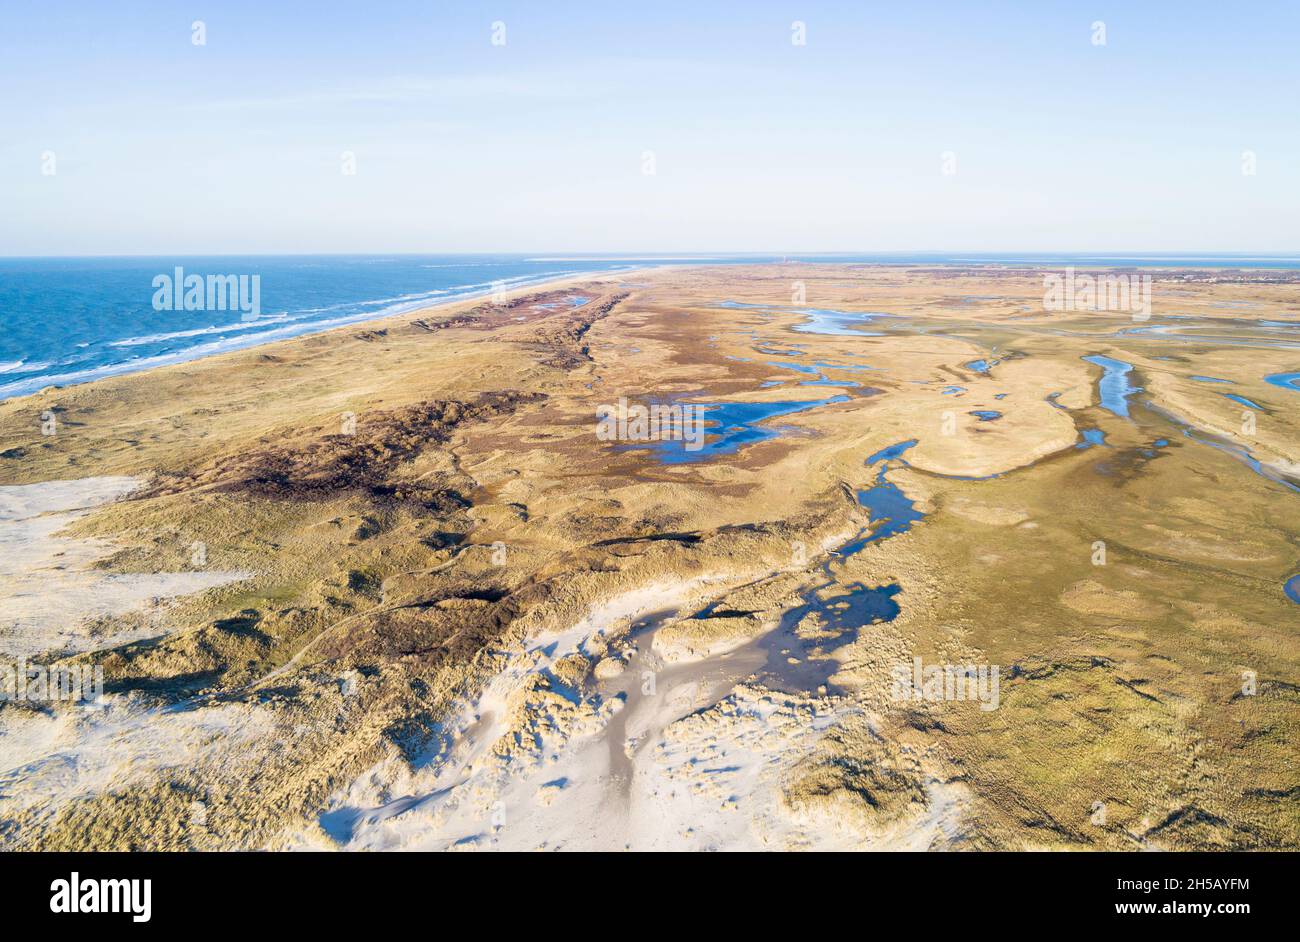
389	587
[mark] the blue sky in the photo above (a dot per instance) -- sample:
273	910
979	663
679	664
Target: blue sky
162	146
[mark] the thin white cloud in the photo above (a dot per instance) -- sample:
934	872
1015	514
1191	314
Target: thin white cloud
406	90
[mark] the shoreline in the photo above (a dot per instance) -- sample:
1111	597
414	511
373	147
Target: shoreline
335	696
269	338
21	388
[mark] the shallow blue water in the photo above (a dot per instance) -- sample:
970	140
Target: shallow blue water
821	380
798	663
1285	380
886	504
576	301
1091	437
836	323
979	366
1292	589
842	615
827	381
819	320
892	452
1114	387
1244	401
863	606
986	415
846	366
799	367
1239	452
728	426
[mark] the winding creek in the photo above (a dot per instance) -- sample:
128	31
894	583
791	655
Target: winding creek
1115	386
630	772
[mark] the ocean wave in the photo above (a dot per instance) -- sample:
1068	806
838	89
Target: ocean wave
289	327
199	331
22	366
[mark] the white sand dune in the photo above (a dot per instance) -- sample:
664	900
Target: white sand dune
48	760
50	597
656	757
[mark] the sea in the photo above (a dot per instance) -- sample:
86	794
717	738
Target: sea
75	319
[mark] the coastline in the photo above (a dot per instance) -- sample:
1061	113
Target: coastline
29	387
419	509
976	264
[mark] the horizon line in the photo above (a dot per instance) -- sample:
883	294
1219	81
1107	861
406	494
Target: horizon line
662	255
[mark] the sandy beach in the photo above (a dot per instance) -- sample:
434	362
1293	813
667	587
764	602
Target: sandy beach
383	587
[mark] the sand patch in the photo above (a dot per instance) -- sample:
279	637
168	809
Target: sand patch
50	596
654	756
693	638
50	760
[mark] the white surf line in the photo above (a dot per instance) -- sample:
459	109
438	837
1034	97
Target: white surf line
291	331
